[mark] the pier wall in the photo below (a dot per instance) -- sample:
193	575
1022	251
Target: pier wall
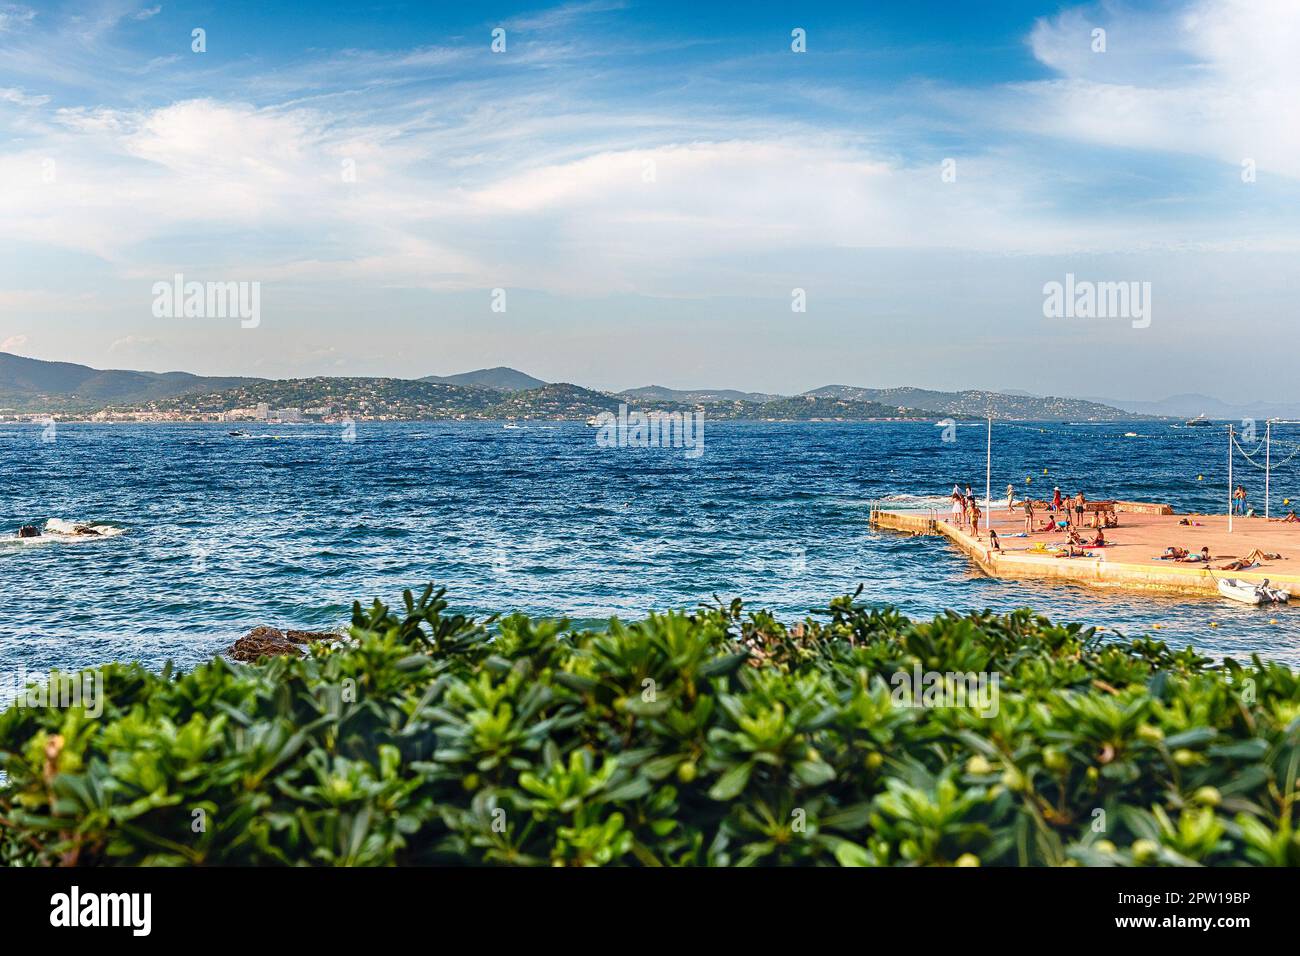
1100	572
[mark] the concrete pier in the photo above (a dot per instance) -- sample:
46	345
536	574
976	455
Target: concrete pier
1129	561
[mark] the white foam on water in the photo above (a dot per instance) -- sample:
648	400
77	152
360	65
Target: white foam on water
60	531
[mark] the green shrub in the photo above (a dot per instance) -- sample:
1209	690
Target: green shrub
713	738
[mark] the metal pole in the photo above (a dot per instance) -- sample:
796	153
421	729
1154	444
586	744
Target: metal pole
1229	479
1268	434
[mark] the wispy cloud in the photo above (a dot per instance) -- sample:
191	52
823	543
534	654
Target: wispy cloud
14	16
664	166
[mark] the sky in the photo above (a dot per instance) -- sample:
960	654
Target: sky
633	192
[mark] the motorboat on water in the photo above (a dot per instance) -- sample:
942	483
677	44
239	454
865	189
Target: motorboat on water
1248	593
1200	421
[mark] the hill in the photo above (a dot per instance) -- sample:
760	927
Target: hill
1190	405
360	397
501	379
33	386
978	403
659	393
27	383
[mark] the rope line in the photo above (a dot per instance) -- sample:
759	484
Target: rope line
1245	454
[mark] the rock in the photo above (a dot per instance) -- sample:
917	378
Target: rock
266	641
29	531
306	637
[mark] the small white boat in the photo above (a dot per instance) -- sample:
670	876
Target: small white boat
1239	590
1249	593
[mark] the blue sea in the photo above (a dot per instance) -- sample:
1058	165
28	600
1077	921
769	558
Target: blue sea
289	524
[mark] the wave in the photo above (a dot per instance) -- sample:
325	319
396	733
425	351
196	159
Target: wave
61	531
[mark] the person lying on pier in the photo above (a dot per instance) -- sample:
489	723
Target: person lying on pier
1204	555
1251	560
1172	553
1290	518
1073	550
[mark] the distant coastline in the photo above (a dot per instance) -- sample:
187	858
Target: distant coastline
36	390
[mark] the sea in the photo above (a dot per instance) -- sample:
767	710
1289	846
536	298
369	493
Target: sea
287	525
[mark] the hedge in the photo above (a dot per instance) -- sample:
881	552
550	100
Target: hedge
720	737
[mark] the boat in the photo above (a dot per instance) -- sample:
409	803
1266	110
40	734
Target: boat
1276	595
1239	590
1247	593
1200	421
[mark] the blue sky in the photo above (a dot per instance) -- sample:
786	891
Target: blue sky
650	181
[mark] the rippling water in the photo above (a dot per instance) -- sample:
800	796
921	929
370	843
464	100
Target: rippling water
288	526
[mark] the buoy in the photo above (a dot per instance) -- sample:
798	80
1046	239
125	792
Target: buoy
1200	477
1028	480
1157	626
1044	471
1272	620
1214	624
1286	501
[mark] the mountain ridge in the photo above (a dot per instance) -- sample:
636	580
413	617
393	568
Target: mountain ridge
29	385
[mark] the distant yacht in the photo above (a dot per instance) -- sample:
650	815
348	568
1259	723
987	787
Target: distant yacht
1200	421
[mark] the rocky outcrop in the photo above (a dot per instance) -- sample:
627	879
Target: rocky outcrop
266	641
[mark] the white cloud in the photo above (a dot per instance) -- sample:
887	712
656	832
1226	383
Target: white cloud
15	16
1217	78
133	343
13	343
21	98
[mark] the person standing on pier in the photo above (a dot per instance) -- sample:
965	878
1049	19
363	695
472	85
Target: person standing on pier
1029	515
1011	497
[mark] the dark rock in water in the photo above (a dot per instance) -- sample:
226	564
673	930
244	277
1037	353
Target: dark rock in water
266	641
29	531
